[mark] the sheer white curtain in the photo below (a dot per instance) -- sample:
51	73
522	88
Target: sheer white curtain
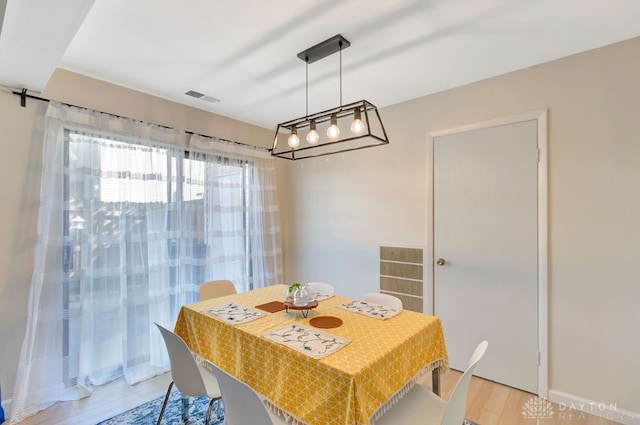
132	219
246	224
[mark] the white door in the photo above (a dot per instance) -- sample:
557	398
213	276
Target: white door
485	230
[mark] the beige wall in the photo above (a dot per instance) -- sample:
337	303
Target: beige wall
341	209
75	89
20	166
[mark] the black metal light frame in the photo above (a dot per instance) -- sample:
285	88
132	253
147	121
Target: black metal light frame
374	134
351	142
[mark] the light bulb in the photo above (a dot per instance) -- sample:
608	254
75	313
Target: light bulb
333	132
313	137
357	126
294	140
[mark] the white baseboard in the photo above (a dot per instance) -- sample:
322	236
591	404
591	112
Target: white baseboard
572	407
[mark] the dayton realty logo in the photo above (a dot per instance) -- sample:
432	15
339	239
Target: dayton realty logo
537	408
582	410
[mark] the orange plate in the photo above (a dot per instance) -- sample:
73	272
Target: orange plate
325	322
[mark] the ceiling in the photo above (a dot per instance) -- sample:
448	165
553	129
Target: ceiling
243	52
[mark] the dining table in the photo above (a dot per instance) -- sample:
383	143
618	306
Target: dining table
345	363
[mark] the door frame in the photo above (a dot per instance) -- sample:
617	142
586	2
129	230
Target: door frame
543	230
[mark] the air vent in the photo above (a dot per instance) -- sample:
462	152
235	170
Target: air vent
202	96
210	99
195	94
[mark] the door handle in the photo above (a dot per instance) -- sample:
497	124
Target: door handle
440	261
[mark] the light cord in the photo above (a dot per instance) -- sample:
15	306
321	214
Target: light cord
307	87
340	73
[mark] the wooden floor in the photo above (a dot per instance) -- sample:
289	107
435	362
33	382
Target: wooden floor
488	403
105	402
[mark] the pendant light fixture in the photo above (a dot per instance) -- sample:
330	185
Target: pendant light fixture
344	128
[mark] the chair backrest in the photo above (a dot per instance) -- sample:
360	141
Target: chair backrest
216	288
457	404
384	299
184	369
323	288
242	405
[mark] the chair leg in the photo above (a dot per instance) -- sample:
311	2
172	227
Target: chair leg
206	422
185	409
166	398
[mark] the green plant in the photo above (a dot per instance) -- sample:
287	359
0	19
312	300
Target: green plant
293	287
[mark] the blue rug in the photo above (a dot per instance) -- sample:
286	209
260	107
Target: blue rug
147	413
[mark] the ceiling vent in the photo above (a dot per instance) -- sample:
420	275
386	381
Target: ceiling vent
202	96
210	99
195	94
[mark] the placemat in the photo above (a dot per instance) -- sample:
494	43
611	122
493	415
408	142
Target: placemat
234	314
308	341
272	307
377	311
319	296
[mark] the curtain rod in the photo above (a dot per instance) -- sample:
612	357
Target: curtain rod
23	102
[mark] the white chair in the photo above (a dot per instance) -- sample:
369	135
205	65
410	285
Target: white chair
216	288
190	378
420	406
242	405
323	288
385	299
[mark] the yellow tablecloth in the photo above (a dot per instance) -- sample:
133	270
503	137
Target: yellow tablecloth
344	388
